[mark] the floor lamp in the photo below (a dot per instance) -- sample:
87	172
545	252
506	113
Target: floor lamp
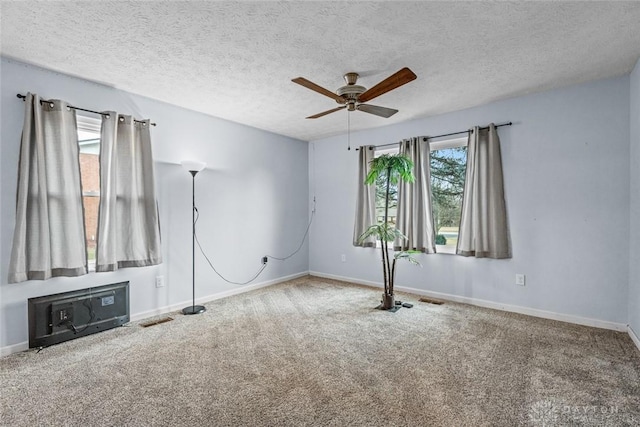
193	167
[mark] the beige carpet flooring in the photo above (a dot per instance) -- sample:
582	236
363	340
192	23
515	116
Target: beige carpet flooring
314	352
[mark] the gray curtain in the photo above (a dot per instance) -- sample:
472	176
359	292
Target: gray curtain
49	236
128	223
484	232
414	217
366	199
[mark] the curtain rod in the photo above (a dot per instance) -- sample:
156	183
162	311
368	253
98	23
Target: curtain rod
102	113
440	136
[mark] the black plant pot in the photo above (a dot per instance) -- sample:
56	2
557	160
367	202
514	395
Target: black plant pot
388	301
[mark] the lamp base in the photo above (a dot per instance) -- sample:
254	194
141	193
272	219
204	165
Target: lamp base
194	309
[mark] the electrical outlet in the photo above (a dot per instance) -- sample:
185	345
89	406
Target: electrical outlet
159	281
520	279
343	258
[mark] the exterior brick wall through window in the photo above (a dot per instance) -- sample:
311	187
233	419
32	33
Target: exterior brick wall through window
90	172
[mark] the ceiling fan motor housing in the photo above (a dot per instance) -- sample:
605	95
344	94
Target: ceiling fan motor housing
351	91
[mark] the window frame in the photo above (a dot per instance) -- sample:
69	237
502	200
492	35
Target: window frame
442	144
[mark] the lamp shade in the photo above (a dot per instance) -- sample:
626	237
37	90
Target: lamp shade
193	165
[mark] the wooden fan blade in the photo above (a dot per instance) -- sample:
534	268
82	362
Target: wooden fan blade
394	81
324	113
378	111
314	87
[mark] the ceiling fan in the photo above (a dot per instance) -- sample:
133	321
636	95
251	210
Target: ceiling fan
353	96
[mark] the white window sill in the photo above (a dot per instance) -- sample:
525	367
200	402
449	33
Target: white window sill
440	249
446	249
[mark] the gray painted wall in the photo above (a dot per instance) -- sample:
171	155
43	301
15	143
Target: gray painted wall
252	198
634	250
566	171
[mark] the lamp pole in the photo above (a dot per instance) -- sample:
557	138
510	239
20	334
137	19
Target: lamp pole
193	170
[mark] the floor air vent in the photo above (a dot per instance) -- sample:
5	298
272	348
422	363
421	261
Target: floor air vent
432	301
156	322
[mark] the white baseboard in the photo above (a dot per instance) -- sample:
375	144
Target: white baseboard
16	348
216	296
620	327
346	279
634	337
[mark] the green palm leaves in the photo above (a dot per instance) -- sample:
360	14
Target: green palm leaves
394	167
383	232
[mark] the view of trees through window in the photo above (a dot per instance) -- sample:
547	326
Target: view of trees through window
447	185
448	167
381	191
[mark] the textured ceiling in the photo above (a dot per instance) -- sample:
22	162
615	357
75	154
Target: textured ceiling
235	60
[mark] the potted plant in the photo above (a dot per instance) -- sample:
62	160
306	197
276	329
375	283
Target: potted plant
390	169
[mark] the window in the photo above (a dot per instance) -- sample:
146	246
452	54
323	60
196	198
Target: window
381	192
448	167
89	142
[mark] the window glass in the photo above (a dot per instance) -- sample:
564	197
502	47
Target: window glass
448	165
381	191
89	143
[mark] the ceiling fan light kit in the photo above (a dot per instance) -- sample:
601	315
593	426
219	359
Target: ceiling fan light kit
353	96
